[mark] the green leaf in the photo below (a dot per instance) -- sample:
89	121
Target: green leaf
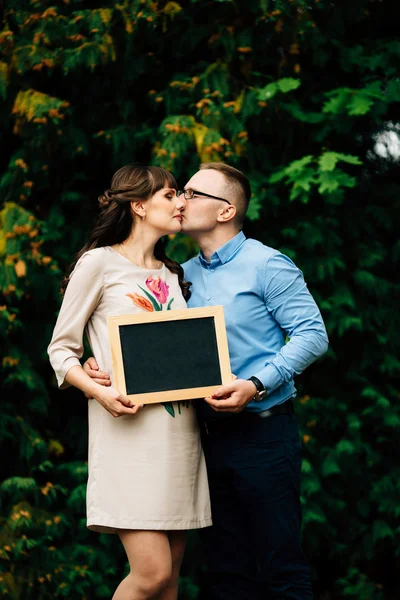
327	161
391	419
169	407
374	89
287	84
364	278
349	158
349	322
253	212
328	181
298	165
393	91
353	422
267	92
381	530
306	466
13	484
151	298
314	515
77	498
311	486
345	447
330	466
359	104
305	179
338	100
301	115
169	304
278	176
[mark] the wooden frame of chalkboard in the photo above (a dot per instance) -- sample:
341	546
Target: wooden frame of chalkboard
169	355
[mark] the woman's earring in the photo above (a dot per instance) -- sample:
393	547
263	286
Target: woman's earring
143	216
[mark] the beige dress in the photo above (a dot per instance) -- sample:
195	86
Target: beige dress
146	471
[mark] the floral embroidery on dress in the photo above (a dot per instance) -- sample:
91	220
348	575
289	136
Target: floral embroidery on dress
153	302
141	302
156	300
169	406
159	288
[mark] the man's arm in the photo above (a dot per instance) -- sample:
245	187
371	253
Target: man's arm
288	300
91	368
290	303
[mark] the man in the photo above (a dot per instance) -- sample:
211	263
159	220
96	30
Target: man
249	430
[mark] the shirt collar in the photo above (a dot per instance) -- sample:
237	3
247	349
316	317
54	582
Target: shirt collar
223	254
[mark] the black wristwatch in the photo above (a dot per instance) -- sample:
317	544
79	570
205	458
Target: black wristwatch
261	391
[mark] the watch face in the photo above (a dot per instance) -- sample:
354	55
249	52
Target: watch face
261	391
261	395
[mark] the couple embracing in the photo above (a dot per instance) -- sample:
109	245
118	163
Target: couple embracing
229	466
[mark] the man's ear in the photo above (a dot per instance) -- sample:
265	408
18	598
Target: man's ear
138	208
227	214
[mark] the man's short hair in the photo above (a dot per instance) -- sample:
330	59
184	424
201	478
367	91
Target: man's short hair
239	183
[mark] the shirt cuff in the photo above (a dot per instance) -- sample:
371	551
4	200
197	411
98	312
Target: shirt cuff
270	378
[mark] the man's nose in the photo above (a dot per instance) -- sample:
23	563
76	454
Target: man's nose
181	202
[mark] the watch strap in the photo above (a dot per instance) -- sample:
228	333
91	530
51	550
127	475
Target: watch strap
261	391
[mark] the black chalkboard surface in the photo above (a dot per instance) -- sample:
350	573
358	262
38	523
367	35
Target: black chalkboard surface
170	355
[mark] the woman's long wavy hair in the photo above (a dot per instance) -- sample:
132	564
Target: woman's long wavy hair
114	223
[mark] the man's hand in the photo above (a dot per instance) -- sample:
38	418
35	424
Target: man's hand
233	397
91	368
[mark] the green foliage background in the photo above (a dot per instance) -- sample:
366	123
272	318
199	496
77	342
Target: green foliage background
301	95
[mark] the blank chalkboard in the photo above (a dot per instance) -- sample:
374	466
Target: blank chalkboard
170	355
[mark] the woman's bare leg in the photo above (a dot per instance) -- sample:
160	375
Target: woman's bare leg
150	561
177	541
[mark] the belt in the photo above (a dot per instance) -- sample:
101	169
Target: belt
236	422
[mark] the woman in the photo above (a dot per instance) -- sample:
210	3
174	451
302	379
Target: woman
147	476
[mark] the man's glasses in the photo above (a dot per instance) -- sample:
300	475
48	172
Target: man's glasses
189	195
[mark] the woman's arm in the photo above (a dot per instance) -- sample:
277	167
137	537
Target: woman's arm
115	403
81	298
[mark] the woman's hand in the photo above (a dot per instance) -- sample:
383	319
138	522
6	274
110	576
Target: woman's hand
115	403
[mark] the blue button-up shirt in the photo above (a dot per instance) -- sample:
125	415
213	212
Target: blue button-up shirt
266	301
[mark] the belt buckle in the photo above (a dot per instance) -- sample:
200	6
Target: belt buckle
265	413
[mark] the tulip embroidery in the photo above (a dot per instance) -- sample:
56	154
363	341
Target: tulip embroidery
157	299
159	288
169	406
151	302
141	302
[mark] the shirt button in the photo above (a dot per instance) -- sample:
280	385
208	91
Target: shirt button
208	297
212	270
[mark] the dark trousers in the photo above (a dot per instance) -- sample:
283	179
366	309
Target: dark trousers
253	548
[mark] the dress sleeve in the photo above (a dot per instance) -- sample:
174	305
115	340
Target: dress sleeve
81	298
